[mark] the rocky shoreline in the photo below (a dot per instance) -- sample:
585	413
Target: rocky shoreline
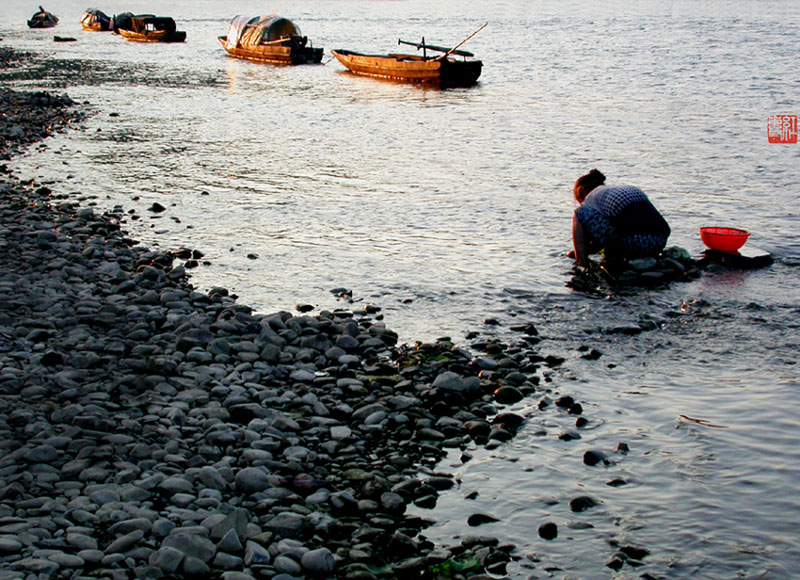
148	430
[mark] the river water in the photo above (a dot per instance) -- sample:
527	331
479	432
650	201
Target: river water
448	208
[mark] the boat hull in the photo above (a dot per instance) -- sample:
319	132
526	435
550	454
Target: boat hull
445	72
153	36
274	53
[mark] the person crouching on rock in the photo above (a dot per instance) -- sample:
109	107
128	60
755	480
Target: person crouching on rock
618	219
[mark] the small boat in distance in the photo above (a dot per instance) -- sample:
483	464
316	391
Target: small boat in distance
95	20
42	19
270	39
443	70
149	28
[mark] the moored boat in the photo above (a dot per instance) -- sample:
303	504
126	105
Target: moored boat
444	70
95	20
270	38
149	28
42	19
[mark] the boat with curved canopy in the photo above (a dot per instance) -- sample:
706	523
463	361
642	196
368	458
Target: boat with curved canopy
270	38
42	19
95	20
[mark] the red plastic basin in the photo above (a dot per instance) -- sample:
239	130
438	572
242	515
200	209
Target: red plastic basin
724	239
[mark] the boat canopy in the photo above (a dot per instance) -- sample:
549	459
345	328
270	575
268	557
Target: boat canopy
42	19
244	31
141	24
92	15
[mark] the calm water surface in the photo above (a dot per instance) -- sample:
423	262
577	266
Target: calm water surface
446	208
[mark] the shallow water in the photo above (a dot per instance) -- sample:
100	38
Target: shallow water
446	208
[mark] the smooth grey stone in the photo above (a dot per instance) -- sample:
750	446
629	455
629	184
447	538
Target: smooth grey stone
298	453
252	479
67	560
286	565
124	543
284	423
362	413
183	500
81	541
236	576
176	484
227	561
166	559
375	418
302	376
286	525
230	542
255	554
211	478
10	545
449	381
321	522
105	496
72	468
42	454
193	545
347	342
393	502
236	522
318	497
319	561
91	556
402	402
335	353
194	567
127	526
162	528
37	565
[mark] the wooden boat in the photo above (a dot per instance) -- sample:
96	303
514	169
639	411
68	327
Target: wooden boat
95	20
270	39
150	28
42	19
444	70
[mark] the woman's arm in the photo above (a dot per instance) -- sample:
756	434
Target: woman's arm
579	242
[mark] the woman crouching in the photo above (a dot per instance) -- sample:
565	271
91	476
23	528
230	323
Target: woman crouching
618	219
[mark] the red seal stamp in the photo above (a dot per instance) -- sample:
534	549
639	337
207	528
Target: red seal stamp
782	128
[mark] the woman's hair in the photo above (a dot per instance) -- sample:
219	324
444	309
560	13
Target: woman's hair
587	183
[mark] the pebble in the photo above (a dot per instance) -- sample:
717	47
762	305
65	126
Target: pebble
318	562
548	531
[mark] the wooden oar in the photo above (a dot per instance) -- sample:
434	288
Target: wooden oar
449	52
433	47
